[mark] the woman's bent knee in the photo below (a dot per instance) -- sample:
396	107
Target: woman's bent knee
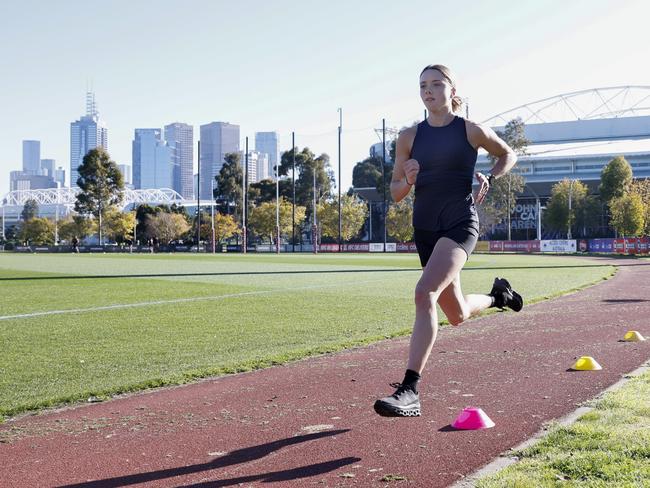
424	297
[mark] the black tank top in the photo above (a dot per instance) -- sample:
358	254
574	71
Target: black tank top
443	189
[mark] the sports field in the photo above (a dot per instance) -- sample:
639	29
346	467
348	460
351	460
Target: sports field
79	327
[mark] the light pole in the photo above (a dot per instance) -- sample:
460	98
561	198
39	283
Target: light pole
315	225
383	174
244	201
340	110
212	219
293	186
277	209
56	219
509	210
198	202
568	234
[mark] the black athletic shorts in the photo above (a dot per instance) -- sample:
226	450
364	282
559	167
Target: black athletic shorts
464	234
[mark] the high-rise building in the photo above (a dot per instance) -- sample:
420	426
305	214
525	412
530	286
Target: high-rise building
31	157
20	180
263	167
180	137
253	157
125	169
152	160
89	132
47	167
59	176
268	142
217	140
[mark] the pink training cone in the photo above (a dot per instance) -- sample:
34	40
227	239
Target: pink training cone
472	418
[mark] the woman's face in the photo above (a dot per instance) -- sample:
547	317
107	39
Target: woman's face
435	90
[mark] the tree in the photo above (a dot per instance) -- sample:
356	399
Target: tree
353	215
615	179
37	230
642	188
101	184
307	164
76	226
264	191
367	173
166	226
399	221
30	210
583	212
262	218
224	227
230	183
627	214
118	225
502	197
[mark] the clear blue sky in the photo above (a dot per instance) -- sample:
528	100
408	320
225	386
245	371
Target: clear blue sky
289	65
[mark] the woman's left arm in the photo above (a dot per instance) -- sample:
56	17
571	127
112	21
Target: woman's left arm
480	136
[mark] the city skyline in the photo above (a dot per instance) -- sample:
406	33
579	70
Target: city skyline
289	75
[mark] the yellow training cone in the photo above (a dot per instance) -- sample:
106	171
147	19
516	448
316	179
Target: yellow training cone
633	336
586	363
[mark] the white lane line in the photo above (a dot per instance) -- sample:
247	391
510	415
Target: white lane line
176	300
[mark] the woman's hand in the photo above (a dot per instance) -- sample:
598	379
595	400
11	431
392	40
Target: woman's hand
483	187
411	170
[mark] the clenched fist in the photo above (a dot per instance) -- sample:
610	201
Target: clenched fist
411	170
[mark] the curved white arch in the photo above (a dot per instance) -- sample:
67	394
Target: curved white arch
68	196
594	103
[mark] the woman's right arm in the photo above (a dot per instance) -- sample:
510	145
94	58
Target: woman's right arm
399	185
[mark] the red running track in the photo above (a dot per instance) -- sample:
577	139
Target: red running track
311	423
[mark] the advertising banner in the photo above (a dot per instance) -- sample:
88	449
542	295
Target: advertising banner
560	245
406	247
496	246
600	245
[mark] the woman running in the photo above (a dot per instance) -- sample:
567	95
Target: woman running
438	157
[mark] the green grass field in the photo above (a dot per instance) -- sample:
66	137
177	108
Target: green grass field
607	447
80	326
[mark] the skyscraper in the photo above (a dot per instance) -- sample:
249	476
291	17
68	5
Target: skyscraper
268	142
256	162
180	137
152	160
217	140
86	133
125	169
31	157
47	167
59	176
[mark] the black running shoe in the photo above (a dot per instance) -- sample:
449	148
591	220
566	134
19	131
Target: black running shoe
403	403
505	296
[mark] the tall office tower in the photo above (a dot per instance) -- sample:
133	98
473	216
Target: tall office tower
86	133
47	167
59	176
180	137
263	167
125	169
31	157
152	160
268	142
217	140
253	160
